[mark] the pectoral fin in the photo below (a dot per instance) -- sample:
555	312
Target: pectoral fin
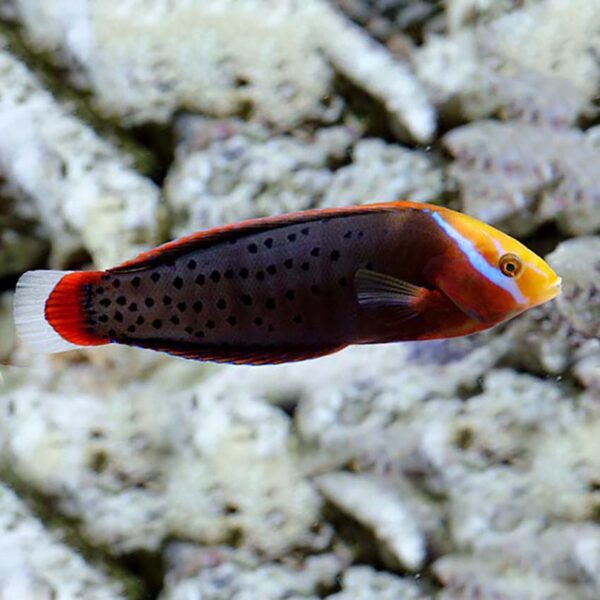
377	290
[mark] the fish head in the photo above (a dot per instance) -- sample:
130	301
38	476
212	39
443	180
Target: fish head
488	274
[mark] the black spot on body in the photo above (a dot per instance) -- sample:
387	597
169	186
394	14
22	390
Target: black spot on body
210	324
140	320
198	334
178	283
99	290
288	263
131	329
157	323
260	275
155	277
292	237
175	320
149	302
270	303
298	319
347	235
335	255
360	235
116	283
136	282
252	248
197	306
181	306
271	269
200	279
246	299
189	330
215	276
118	316
269	242
231	320
192	264
167	300
105	302
103	319
133	307
315	252
244	273
305	231
121	300
305	266
221	304
290	294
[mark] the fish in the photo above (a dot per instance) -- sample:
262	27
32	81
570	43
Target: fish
293	287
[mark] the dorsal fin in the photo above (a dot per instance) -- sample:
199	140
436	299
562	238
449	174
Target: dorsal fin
205	239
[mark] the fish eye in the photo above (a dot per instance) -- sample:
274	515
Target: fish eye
510	264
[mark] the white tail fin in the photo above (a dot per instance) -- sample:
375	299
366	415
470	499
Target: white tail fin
32	292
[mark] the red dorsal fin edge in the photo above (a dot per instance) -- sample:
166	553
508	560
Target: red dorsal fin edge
205	239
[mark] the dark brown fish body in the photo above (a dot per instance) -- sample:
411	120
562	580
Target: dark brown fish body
287	289
293	287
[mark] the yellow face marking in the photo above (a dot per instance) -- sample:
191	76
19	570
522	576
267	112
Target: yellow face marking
537	282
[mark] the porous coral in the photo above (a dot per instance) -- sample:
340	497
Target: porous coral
260	58
521	175
83	191
37	564
228	172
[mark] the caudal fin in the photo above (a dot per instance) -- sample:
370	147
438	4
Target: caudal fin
50	310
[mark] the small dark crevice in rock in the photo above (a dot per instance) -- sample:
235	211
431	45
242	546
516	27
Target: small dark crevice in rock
45	507
148	567
371	113
545	239
160	140
57	80
388	20
335	163
363	544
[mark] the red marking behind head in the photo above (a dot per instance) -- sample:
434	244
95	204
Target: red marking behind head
65	308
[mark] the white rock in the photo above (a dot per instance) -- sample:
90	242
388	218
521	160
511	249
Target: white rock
36	565
364	583
137	461
197	573
382	510
231	56
83	190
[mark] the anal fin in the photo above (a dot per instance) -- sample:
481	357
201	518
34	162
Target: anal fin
238	355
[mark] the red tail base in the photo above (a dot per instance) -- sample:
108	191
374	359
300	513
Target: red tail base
66	309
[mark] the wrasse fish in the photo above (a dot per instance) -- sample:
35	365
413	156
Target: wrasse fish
293	287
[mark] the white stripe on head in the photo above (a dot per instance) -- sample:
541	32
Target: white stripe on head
478	261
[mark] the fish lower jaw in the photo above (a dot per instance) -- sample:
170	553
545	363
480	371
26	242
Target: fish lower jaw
552	292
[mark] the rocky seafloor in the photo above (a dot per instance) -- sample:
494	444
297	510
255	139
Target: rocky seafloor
465	469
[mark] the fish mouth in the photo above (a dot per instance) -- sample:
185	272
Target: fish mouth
552	292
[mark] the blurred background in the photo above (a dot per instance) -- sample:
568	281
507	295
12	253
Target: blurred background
466	469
